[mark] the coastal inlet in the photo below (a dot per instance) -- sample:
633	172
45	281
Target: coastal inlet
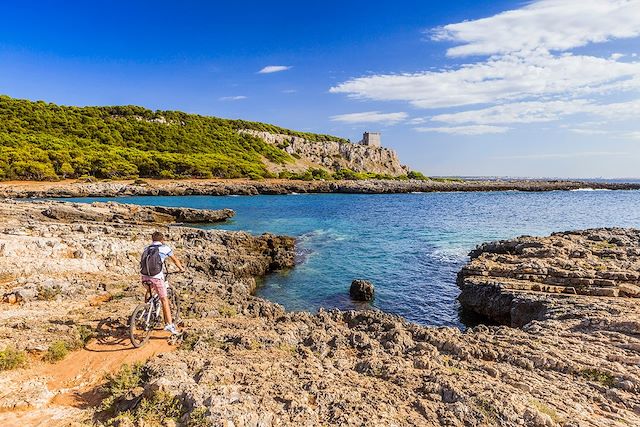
411	246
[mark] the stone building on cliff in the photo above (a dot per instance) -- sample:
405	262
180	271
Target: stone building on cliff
371	139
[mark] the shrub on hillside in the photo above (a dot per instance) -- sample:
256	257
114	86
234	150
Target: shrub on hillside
40	141
10	358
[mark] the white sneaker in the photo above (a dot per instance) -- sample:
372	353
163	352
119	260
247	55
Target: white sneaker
171	328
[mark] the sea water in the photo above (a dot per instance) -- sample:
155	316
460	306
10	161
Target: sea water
409	245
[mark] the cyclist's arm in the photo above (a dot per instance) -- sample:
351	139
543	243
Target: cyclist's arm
177	262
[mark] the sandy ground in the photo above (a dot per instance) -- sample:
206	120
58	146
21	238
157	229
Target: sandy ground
76	381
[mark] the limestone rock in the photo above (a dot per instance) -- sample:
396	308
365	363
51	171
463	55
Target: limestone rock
246	361
361	290
116	212
508	280
333	155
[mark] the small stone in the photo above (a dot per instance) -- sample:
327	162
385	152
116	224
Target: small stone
522	386
491	371
629	289
361	290
626	385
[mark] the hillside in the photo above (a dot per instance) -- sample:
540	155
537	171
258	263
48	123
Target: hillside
44	141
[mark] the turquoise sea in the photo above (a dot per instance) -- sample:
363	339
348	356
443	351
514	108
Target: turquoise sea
409	245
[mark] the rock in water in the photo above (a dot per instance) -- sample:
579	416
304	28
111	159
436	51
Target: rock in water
361	290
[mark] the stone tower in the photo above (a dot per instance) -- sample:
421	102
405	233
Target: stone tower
371	139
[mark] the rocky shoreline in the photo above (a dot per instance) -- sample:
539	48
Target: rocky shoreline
516	281
248	362
248	187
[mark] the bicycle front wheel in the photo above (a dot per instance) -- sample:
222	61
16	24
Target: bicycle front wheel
141	325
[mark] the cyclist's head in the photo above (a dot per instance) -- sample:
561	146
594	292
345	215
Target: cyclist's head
157	236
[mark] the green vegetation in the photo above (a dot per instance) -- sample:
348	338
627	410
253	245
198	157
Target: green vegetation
596	375
158	409
84	335
546	409
48	293
288	348
10	358
312	174
122	382
198	418
41	141
57	351
44	141
486	408
417	175
227	310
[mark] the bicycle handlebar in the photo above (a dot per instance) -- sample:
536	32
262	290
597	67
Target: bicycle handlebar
173	272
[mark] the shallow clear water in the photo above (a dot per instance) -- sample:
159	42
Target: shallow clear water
409	245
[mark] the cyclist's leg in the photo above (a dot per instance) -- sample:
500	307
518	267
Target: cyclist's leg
161	289
166	310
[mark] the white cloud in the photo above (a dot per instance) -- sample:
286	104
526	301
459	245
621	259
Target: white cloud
563	155
541	111
232	98
274	69
587	131
465	130
371	117
505	78
557	25
528	74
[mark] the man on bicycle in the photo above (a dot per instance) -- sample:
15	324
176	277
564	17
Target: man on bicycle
152	269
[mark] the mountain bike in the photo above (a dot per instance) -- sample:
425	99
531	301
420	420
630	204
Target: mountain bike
148	316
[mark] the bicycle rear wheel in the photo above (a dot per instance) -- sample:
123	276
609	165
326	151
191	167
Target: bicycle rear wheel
139	327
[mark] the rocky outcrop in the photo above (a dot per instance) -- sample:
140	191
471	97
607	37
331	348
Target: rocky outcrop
247	362
249	188
516	281
72	259
334	155
361	290
117	212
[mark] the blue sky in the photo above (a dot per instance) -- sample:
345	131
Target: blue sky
543	88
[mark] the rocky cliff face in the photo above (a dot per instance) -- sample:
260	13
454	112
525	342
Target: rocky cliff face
332	155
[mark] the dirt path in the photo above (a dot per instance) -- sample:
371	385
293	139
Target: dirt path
75	381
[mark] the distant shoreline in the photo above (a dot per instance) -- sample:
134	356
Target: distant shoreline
225	187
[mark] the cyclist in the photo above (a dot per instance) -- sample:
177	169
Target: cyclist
152	265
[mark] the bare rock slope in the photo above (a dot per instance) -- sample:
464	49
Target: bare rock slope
334	155
247	362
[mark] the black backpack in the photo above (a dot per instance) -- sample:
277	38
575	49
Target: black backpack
150	262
